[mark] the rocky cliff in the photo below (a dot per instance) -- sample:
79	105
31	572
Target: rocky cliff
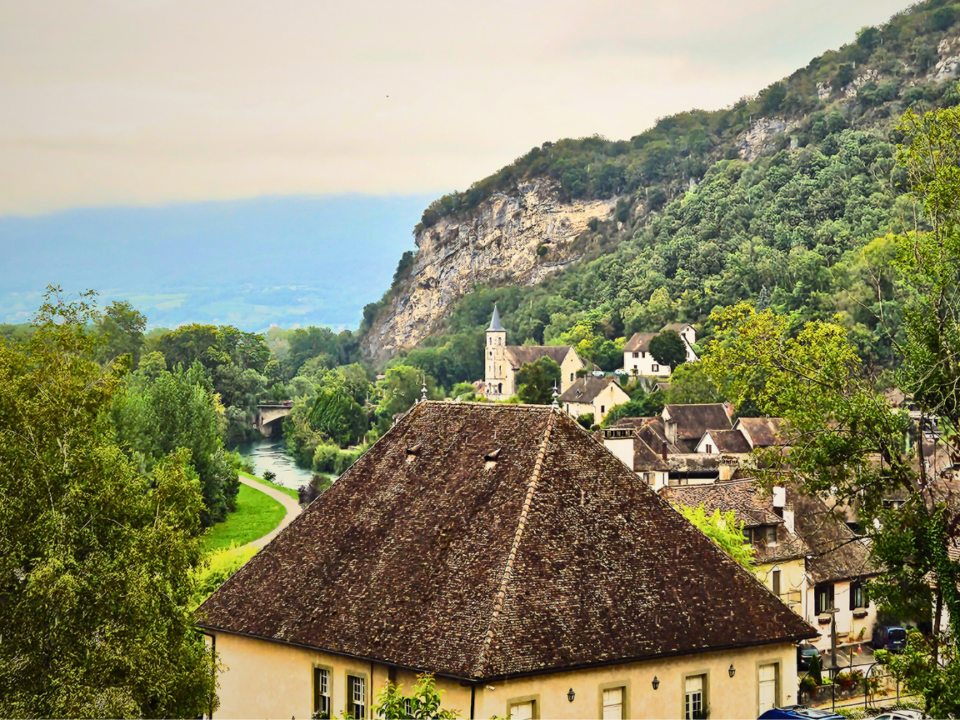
520	239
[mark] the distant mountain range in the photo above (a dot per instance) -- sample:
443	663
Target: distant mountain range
251	263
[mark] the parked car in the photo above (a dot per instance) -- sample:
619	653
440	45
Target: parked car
889	637
901	715
804	653
799	712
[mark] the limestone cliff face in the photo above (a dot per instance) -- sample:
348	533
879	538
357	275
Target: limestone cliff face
498	242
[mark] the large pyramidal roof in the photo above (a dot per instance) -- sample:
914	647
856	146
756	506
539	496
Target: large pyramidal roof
480	541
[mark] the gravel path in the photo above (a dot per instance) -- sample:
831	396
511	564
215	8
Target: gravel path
290	505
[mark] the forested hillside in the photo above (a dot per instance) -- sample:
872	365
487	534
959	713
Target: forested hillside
784	198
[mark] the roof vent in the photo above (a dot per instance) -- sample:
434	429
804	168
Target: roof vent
413	452
490	459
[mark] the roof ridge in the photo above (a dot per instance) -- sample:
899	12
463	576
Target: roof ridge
518	536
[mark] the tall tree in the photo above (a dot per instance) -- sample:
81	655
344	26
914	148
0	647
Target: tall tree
537	380
669	349
178	410
122	327
96	562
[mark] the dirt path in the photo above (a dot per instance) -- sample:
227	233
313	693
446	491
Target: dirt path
289	504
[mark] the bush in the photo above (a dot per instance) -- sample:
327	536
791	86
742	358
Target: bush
218	566
585	420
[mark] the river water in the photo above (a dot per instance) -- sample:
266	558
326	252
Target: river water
271	454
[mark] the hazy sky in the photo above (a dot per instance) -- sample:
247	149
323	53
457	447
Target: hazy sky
143	102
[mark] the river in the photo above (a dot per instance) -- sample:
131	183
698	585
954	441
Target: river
271	454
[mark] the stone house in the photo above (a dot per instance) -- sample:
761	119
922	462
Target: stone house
593	395
638	361
805	553
502	362
504	550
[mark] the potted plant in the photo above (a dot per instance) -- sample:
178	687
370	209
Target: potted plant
823	619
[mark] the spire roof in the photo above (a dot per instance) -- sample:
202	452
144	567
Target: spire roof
495	321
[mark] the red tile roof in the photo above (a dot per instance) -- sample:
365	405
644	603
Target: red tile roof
552	556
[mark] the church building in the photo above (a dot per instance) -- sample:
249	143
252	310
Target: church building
503	362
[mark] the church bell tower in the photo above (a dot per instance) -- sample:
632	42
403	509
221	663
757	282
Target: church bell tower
494	362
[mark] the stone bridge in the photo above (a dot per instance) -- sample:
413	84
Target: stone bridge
270	417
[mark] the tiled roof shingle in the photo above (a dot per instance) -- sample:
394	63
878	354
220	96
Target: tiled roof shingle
553	557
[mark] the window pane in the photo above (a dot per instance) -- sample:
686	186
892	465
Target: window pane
522	711
613	704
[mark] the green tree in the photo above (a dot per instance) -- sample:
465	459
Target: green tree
401	387
668	348
152	364
338	417
724	530
690	385
537	380
423	702
122	327
95	573
157	417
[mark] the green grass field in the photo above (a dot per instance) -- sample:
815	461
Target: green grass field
256	515
285	490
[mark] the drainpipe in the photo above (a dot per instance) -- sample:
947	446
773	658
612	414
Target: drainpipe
473	697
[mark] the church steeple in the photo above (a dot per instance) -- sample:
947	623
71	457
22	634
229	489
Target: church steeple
495	325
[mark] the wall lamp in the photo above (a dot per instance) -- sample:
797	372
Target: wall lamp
656	682
732	671
571	694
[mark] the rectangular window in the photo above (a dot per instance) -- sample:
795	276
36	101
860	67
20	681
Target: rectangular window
613	704
693	698
858	595
775	582
571	377
768	677
522	711
709	448
408	708
770	534
357	697
321	692
823	598
636	355
603	409
656	368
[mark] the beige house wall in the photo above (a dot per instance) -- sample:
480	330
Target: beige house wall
568	369
609	397
271	680
793	582
575	410
846	623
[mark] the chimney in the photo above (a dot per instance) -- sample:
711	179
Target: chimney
728	466
788	518
619	441
779	500
663	451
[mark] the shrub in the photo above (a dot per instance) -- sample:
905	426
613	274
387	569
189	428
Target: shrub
215	570
585	420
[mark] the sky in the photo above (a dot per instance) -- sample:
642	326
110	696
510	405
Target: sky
107	103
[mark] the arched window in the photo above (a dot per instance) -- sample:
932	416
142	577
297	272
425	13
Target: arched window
500	388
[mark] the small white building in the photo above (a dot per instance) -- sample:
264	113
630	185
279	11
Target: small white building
638	361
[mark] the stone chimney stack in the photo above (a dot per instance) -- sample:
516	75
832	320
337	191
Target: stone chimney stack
779	500
728	466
